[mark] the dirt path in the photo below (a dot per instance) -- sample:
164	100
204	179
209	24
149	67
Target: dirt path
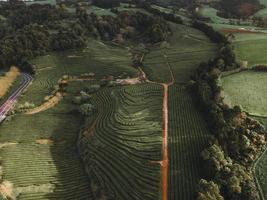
45	106
165	157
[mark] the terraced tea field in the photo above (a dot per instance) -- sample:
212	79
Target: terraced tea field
188	136
122	147
97	58
185	49
39	155
143	142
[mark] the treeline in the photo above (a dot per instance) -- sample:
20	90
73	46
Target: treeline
126	25
31	31
237	141
238	8
107	3
227	58
167	16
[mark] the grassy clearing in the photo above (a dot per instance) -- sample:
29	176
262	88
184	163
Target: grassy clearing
119	150
45	171
250	46
247	89
98	58
211	13
188	136
42	2
253	49
185	50
7	80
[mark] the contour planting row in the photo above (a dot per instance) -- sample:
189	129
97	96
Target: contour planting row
40	158
126	139
188	135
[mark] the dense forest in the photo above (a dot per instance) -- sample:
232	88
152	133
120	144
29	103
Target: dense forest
29	31
239	8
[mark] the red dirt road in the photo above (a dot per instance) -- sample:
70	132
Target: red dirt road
165	157
165	160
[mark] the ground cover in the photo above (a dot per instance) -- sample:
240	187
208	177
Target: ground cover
188	136
101	59
184	51
121	147
248	90
45	170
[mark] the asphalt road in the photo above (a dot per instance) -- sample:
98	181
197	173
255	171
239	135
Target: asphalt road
11	101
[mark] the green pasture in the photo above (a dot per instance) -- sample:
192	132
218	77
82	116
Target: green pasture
42	2
253	48
211	13
248	90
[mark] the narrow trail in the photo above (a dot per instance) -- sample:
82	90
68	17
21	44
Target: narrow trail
165	129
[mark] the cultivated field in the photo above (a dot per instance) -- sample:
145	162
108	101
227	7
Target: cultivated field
39	155
185	50
188	136
121	147
248	90
101	59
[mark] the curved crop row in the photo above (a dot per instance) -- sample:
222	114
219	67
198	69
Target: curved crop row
50	170
120	150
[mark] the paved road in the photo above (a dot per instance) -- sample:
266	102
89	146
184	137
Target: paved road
11	101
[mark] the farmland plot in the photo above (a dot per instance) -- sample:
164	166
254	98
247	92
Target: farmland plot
188	136
121	147
185	49
39	155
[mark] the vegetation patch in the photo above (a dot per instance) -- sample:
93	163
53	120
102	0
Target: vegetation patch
121	141
247	89
7	80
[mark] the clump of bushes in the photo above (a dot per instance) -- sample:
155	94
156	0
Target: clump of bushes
24	107
238	139
261	67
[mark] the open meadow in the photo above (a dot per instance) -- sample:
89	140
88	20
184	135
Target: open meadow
248	90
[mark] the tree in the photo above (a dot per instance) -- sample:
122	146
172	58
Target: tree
107	3
208	190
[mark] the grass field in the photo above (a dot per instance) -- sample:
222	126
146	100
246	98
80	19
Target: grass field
253	49
185	50
211	13
45	171
250	45
262	12
247	89
119	151
188	136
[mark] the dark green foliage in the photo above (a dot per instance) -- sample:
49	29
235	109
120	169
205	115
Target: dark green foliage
107	3
67	40
214	36
239	8
208	190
